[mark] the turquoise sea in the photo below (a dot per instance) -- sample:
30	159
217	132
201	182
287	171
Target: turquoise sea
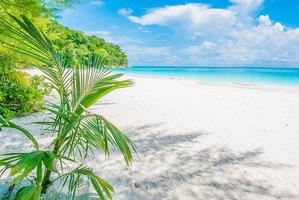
251	75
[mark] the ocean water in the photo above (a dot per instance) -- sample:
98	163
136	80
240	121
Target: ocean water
250	75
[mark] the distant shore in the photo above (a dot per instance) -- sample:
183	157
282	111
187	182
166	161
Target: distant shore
222	75
243	85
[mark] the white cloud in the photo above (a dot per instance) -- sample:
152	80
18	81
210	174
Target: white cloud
246	6
232	36
245	10
195	14
125	11
265	44
97	2
264	20
190	17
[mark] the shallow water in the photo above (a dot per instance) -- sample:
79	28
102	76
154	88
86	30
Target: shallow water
252	75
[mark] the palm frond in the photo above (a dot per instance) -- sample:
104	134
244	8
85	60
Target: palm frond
94	131
22	164
31	192
92	82
34	44
71	180
10	124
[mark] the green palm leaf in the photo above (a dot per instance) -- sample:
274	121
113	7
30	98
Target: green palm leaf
31	192
71	180
10	124
22	164
92	82
94	131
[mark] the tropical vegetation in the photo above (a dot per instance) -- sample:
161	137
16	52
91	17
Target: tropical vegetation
19	92
76	47
77	131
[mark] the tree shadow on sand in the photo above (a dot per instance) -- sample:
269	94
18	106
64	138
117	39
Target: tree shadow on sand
172	166
213	172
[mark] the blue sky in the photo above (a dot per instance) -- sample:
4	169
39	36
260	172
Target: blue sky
195	33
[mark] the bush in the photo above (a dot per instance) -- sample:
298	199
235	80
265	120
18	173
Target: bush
19	92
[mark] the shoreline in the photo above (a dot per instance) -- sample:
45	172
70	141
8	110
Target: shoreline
200	82
243	85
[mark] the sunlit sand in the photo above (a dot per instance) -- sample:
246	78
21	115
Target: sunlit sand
198	141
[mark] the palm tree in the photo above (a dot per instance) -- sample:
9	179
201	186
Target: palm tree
78	132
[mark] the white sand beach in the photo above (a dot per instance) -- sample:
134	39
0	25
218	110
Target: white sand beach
197	141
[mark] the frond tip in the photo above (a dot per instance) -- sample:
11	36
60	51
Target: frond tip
9	124
23	164
94	131
71	180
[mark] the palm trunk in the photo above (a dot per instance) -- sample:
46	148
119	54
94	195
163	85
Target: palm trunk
46	182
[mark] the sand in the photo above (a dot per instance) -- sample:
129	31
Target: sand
197	141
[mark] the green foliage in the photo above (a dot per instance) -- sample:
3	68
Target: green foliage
76	47
19	92
35	8
78	132
72	181
22	164
31	192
